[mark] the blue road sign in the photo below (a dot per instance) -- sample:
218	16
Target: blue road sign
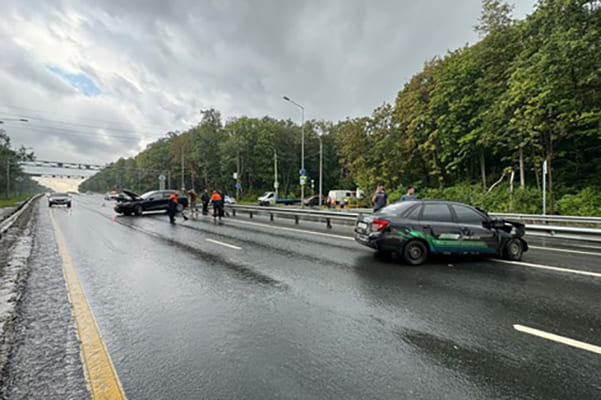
302	172
238	186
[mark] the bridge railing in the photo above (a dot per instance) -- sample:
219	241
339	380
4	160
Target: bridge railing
569	229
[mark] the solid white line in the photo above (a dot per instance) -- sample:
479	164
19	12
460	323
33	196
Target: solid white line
550	268
231	246
559	339
588	253
295	230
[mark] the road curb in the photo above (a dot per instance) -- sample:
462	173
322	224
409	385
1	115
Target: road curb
7	222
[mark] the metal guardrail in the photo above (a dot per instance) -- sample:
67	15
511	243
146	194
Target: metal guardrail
8	221
540	229
549	218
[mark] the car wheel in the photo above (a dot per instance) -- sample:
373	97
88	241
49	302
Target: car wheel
139	210
128	213
415	252
513	250
180	207
69	205
49	204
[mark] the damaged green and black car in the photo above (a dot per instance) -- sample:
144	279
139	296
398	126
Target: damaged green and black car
416	229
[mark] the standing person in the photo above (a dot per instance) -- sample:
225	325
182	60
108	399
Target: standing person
380	198
410	195
192	202
172	207
217	202
205	198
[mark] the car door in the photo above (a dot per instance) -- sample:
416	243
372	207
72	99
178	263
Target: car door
153	201
439	228
475	236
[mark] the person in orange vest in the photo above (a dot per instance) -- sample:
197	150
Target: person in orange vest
217	201
172	208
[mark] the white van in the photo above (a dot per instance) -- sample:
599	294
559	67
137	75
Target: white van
336	196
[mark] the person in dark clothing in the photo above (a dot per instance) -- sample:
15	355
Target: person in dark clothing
380	198
172	208
205	198
217	201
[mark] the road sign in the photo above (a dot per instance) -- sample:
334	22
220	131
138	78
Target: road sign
238	185
235	175
302	172
162	178
276	185
303	180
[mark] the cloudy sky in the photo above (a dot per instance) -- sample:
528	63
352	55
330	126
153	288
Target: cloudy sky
101	79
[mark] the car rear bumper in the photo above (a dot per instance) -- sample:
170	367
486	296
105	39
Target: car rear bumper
366	239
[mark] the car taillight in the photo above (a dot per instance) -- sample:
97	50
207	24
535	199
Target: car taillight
379	225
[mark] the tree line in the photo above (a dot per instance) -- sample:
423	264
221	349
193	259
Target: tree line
483	117
13	181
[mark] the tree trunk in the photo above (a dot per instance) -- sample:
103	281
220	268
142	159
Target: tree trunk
483	169
522	172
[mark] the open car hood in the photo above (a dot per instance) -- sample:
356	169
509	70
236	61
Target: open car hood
131	194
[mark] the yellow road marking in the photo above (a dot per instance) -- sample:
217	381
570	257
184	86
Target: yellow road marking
99	369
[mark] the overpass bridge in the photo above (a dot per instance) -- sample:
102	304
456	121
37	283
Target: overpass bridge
59	169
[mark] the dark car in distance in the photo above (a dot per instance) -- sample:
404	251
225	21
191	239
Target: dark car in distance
156	200
59	199
416	229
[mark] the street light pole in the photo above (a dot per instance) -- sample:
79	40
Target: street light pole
320	168
302	145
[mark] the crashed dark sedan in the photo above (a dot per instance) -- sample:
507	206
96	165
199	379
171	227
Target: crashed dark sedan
156	200
416	229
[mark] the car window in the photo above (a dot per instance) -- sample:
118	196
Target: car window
437	212
414	212
466	215
147	195
396	209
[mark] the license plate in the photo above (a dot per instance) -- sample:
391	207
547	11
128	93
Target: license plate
362	226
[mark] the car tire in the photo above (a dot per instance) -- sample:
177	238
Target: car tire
128	213
68	205
139	210
49	204
415	252
180	208
513	250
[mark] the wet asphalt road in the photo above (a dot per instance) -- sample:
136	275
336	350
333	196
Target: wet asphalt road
241	310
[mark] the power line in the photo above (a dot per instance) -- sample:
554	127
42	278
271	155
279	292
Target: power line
69	132
53	114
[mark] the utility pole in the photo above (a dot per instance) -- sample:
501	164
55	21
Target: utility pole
7	177
276	184
303	177
183	188
320	169
238	172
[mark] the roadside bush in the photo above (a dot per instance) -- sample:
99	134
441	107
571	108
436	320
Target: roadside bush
587	202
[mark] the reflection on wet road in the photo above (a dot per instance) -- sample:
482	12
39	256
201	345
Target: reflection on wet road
241	310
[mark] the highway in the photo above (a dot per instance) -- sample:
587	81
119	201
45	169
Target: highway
250	309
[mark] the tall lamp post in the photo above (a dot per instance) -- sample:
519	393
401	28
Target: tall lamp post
302	146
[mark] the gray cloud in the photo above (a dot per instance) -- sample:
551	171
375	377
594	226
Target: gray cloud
157	63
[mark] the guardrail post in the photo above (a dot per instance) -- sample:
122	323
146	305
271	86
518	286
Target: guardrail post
271	216
250	214
296	219
233	212
328	223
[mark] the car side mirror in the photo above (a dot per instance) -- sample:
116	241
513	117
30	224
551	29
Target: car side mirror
487	224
